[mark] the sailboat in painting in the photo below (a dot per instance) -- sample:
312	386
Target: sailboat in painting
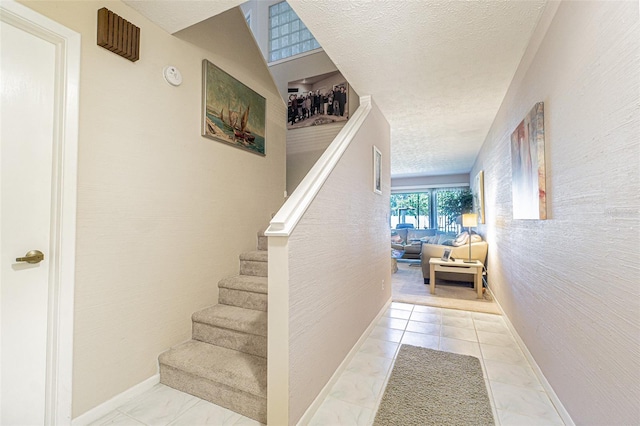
233	113
243	133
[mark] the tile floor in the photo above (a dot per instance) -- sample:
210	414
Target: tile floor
516	396
163	405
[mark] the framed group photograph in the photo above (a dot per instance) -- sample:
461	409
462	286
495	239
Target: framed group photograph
231	112
317	100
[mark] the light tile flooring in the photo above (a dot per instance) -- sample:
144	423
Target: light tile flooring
163	405
516	396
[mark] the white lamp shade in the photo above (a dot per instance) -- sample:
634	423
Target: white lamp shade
470	220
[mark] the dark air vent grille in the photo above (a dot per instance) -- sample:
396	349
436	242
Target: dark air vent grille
118	35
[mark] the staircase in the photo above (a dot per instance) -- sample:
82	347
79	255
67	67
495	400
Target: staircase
226	360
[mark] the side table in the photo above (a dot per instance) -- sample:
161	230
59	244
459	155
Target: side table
459	266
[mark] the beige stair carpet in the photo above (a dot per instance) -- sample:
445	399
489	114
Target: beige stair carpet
226	363
228	378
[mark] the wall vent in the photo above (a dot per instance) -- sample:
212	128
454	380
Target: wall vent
118	35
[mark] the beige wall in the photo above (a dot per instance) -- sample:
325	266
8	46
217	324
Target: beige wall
338	261
304	148
162	212
569	284
299	164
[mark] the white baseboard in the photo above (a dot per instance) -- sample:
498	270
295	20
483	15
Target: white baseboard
115	402
564	414
311	411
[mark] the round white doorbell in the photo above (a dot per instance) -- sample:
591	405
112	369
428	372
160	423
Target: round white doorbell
172	75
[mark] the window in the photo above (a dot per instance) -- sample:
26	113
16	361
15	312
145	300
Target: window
413	209
451	203
432	208
288	36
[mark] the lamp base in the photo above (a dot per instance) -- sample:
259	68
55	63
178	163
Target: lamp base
469	261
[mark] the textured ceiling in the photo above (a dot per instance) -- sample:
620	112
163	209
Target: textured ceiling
438	69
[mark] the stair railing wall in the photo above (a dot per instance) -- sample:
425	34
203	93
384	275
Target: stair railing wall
329	266
290	213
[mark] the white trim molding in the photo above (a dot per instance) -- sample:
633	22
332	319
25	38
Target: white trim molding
58	392
313	408
562	412
115	402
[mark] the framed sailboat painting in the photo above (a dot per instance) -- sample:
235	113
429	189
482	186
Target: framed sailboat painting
232	112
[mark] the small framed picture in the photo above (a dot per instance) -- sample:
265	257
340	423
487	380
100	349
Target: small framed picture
446	255
377	170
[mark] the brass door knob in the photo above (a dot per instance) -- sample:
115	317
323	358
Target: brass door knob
33	256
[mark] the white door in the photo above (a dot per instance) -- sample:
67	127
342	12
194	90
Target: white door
31	155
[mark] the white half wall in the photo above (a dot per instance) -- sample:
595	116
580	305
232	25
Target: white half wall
339	268
569	284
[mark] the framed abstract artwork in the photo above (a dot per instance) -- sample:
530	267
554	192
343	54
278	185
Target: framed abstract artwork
231	112
377	170
528	182
478	196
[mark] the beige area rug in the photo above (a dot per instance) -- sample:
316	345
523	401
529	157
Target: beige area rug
429	387
408	287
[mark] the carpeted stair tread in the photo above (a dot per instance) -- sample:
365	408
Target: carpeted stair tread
245	283
247	373
243	299
255	256
233	318
230	339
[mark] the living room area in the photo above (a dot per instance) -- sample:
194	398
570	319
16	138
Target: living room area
427	223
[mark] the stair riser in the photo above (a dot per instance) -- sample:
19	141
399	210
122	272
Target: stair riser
250	267
243	299
230	339
248	405
263	243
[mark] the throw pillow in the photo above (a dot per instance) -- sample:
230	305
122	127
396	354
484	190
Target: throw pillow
430	240
448	242
444	237
413	235
461	239
396	239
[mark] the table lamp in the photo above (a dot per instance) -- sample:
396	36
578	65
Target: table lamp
470	220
